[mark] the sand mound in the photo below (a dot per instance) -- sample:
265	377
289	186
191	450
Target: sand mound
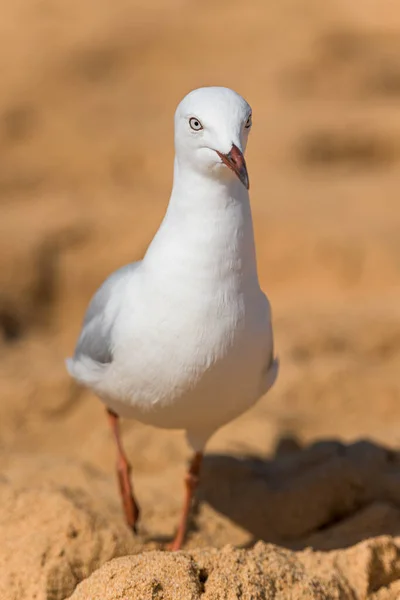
265	572
51	539
328	496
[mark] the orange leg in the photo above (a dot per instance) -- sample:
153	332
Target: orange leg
191	483
131	508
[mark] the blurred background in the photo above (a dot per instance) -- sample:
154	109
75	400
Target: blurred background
87	96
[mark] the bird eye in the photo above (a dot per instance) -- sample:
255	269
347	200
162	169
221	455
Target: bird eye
195	124
248	122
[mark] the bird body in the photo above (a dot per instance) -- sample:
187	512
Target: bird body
189	327
183	339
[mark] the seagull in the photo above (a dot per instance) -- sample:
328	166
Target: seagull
183	338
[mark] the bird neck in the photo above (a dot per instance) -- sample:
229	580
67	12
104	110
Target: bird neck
202	193
208	226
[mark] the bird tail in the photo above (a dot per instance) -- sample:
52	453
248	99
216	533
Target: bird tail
86	371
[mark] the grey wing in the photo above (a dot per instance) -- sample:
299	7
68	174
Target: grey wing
271	369
95	338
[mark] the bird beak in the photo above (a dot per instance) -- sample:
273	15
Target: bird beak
235	161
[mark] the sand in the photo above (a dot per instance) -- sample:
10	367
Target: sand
300	497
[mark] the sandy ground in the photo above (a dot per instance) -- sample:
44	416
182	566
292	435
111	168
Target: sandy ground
301	496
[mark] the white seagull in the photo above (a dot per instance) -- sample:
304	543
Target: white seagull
183	338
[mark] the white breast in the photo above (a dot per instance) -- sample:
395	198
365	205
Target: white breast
193	334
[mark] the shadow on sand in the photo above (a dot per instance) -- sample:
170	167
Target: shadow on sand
327	495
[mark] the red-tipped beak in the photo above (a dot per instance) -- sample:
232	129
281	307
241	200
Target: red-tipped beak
235	161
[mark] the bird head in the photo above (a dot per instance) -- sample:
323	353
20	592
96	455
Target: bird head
212	125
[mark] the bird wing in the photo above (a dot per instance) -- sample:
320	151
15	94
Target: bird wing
270	374
271	369
95	338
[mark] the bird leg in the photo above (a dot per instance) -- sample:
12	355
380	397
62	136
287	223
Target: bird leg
191	483
131	509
